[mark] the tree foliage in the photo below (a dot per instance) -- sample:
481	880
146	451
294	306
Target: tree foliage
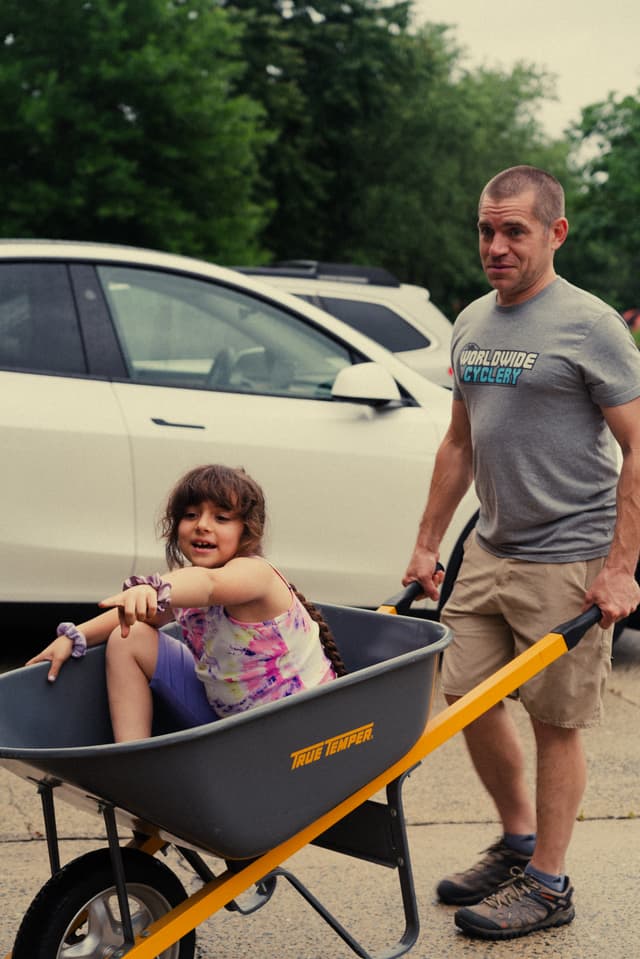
248	130
326	76
382	142
604	254
452	130
119	124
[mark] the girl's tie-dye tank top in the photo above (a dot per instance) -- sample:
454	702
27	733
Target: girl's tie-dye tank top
243	665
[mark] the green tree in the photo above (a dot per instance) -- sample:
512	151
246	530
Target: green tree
120	122
326	75
446	131
604	211
382	140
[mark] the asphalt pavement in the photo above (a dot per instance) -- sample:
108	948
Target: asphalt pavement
450	820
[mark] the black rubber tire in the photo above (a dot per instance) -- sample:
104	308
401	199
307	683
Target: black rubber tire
78	906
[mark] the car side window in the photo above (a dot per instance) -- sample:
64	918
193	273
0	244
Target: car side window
377	322
39	329
181	331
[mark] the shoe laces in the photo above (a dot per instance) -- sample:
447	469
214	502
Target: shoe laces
513	889
492	855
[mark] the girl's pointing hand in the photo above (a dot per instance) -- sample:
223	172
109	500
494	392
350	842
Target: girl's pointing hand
136	604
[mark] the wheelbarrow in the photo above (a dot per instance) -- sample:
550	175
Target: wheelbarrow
251	789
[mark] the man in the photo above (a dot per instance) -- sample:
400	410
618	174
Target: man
545	376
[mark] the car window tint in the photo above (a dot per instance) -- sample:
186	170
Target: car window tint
38	323
186	332
378	322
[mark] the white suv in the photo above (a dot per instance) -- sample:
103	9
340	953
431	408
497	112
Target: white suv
399	316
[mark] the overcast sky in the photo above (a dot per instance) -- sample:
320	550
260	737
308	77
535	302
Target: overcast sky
592	46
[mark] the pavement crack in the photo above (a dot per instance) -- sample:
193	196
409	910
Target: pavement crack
612	817
37	836
623	698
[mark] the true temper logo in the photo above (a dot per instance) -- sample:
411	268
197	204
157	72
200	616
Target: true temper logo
329	747
494	367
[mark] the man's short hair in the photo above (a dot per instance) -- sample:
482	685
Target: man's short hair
549	194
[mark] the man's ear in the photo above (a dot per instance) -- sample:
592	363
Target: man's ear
559	231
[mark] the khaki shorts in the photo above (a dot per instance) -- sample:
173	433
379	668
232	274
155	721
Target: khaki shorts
499	607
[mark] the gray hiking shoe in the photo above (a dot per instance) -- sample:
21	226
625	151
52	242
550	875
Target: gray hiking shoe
467	888
519	907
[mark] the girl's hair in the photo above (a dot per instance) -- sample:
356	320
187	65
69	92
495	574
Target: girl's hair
230	489
233	489
326	636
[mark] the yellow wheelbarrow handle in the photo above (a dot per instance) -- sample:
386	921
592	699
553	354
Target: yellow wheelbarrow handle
400	602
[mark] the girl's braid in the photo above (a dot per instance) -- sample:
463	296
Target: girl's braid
326	636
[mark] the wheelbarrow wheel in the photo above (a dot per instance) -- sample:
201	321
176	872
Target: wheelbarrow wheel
76	916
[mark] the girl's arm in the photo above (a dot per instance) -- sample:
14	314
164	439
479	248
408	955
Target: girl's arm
95	631
249	588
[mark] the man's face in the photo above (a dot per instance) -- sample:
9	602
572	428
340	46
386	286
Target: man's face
516	250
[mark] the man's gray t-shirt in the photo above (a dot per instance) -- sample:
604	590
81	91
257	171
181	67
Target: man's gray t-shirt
533	378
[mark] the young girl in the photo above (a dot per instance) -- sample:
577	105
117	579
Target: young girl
248	636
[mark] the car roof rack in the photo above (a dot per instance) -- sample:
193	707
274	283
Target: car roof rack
321	270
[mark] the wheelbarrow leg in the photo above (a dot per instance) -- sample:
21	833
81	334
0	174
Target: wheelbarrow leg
405	872
377	833
109	817
322	911
45	791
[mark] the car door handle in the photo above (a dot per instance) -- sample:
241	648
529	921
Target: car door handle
185	426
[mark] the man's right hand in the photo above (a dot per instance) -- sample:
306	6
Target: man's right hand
424	568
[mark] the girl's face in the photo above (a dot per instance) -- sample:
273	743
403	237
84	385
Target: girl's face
208	535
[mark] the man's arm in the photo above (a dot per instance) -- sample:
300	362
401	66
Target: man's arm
615	589
452	477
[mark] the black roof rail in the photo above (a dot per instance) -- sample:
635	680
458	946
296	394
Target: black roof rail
321	270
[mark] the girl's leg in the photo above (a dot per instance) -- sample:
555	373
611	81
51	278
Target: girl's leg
131	663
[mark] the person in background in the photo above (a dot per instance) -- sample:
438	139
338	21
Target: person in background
546	379
248	637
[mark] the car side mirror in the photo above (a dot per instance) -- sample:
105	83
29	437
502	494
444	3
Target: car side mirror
365	383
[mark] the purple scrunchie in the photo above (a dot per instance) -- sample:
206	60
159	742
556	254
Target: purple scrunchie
78	640
156	582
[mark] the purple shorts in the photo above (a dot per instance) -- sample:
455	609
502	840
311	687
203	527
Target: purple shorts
176	685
